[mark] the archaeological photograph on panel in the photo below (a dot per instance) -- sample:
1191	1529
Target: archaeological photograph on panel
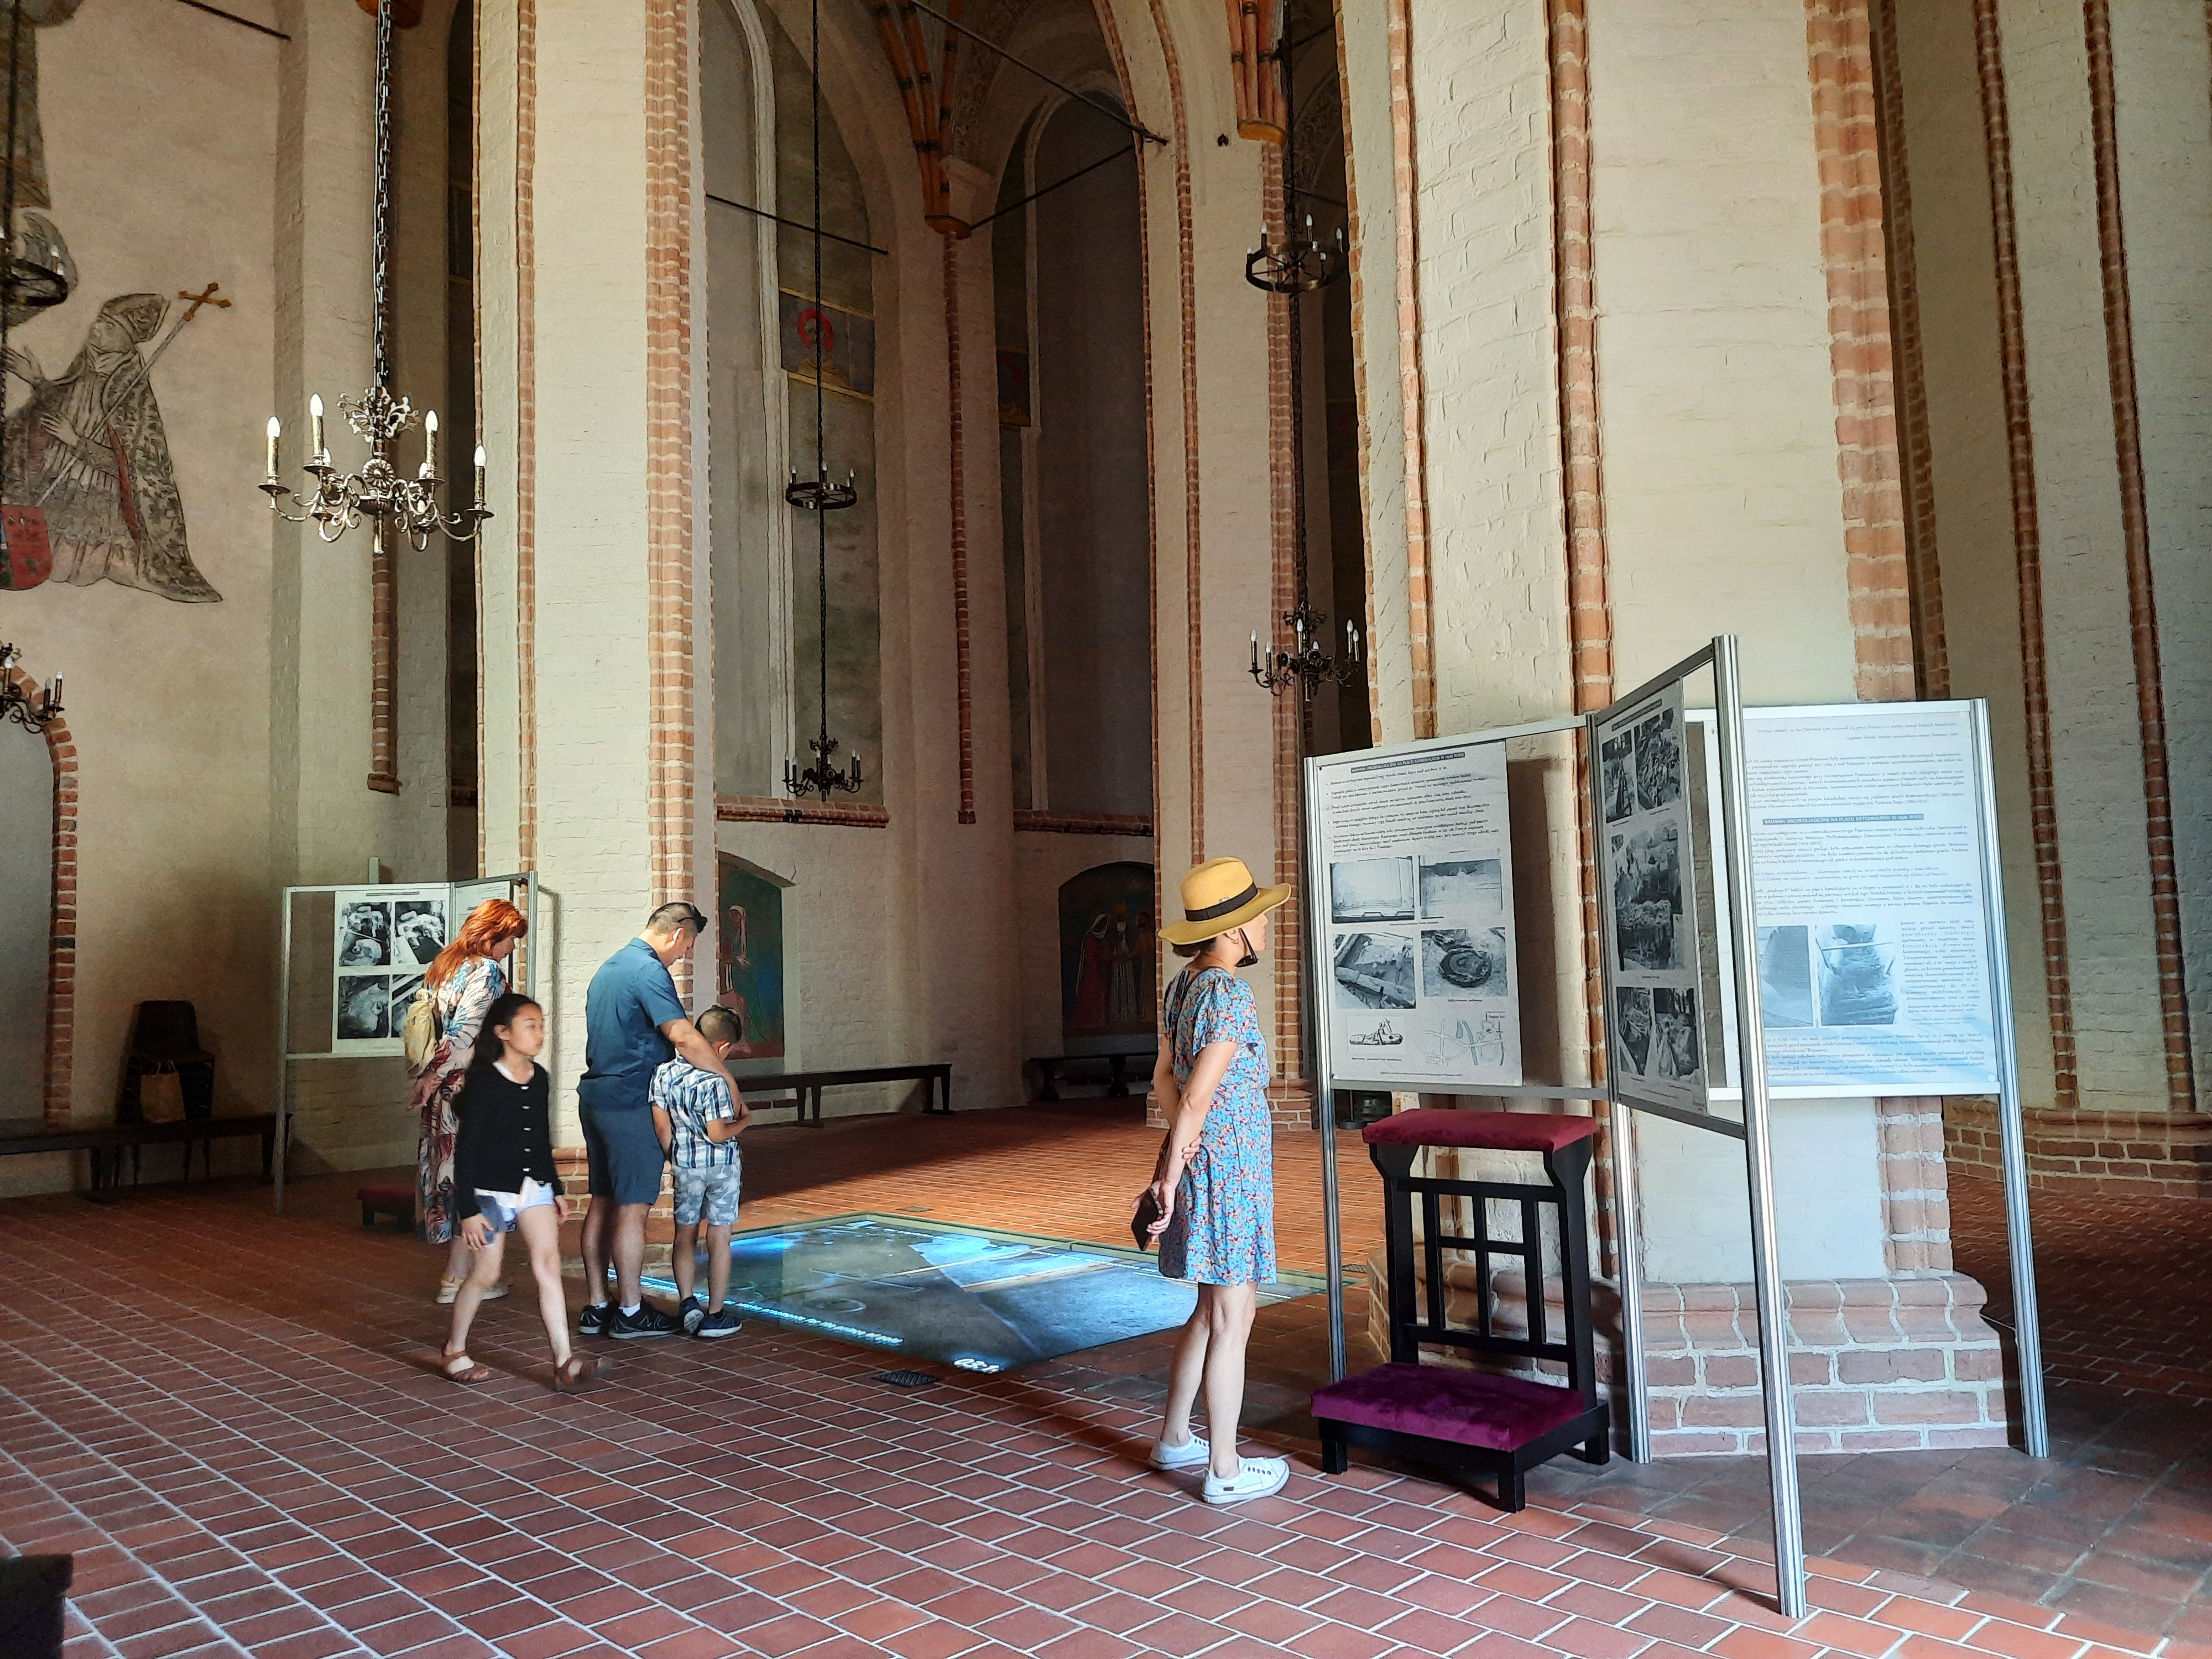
1374	969
1461	887
365	935
1785	977
1858	972
1658	762
1647	898
1371	889
1632	1027
364	1007
1460	963
418	930
1617	771
1673	1034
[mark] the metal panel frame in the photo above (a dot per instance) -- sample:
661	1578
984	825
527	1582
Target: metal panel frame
285	1057
1720	657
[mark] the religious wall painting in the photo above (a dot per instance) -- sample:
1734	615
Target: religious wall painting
749	946
90	490
1013	388
847	341
1109	959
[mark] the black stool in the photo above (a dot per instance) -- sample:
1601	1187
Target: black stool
1460	1419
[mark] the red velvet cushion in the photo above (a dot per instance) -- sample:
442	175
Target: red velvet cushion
1469	1408
1505	1131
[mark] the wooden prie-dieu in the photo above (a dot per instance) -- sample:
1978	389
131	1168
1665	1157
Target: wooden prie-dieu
1465	1421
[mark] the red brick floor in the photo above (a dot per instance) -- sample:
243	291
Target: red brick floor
2116	1525
231	1418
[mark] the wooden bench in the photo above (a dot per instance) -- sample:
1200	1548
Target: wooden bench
104	1141
1049	1067
805	1087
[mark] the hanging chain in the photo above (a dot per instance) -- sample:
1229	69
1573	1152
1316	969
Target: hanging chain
381	240
821	453
7	221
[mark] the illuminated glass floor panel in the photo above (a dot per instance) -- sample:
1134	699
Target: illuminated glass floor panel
971	1296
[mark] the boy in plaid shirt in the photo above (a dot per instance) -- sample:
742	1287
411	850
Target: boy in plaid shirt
699	1124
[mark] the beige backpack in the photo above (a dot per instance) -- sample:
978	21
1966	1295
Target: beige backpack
421	1028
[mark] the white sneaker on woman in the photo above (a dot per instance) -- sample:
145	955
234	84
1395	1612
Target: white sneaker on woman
1193	1453
1255	1477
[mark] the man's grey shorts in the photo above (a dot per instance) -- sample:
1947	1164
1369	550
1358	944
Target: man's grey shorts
714	1191
621	1150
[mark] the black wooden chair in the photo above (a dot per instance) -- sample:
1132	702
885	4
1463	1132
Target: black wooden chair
1470	1421
165	1038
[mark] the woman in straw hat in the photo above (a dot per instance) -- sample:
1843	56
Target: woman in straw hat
1215	1183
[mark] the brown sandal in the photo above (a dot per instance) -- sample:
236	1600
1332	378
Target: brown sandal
462	1369
573	1373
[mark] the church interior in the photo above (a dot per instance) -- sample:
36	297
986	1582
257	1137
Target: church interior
911	479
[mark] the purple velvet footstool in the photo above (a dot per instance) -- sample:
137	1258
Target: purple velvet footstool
1470	1421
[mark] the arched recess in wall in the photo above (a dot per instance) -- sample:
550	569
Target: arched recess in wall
38	915
755	123
1074	464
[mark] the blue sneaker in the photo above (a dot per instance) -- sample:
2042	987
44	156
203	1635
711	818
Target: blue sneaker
689	1312
724	1323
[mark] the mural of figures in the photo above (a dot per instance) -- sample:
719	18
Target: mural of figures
748	958
88	448
1109	959
88	478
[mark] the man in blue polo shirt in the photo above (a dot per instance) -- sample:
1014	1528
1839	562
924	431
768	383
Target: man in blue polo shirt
633	1022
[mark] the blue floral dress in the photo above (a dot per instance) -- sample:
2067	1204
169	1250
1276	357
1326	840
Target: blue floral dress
1222	1231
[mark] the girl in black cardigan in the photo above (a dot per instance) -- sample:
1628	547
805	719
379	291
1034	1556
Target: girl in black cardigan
504	1180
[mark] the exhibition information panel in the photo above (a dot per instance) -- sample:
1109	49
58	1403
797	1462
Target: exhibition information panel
1424	988
1649	888
1874	923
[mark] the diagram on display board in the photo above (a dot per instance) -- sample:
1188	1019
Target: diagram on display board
1419	919
385	938
1874	926
1649	888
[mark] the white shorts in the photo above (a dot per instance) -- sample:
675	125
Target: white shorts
502	1209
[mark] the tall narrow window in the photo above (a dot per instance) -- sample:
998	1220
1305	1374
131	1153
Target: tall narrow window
461	665
763	328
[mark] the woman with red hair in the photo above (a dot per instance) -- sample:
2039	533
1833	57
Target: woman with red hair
467	977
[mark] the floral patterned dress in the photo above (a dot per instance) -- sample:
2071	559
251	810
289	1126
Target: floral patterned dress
1222	1231
463	1001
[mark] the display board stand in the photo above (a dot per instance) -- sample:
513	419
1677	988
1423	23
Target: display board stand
1326	853
457	897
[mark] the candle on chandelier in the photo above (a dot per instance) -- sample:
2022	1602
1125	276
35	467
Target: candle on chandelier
856	767
1255	650
315	426
54	695
275	430
430	445
480	475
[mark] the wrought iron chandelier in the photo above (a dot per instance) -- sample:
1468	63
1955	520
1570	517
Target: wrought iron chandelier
15	703
391	503
821	497
1295	268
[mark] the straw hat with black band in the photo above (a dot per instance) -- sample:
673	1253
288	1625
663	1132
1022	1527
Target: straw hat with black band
1220	896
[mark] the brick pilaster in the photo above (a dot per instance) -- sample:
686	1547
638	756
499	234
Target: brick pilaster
668	506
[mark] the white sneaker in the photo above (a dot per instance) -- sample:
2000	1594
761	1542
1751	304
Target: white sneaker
1193	1453
1255	1477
